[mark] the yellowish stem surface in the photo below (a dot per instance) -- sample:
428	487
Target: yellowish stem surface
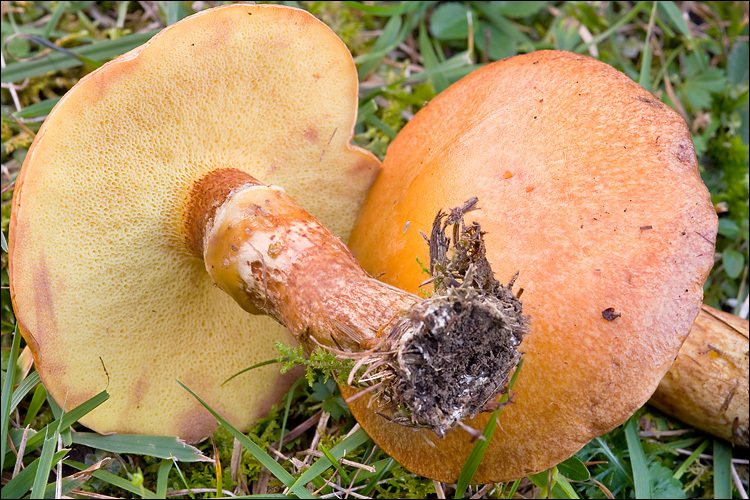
707	387
273	257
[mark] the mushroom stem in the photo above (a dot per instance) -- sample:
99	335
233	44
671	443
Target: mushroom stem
707	386
274	258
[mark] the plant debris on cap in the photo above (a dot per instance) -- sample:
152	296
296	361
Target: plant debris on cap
450	356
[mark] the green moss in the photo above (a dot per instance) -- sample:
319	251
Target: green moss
349	24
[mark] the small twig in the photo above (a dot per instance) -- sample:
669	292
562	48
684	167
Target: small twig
482	491
13	447
318	454
739	461
93	495
21	450
152	12
354	479
589	463
300	429
236	468
328	481
338	490
23	126
364	391
439	489
278	453
11	87
59	471
319	431
604	489
738	482
260	486
411	52
101	18
675	432
668	84
177	493
352	431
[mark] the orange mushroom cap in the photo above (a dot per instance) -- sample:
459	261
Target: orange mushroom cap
588	186
107	290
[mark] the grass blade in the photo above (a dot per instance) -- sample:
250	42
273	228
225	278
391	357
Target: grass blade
37	400
692	458
366	110
337	452
641	476
55	18
287	408
629	16
37	109
24	480
264	458
387	41
23	389
452	69
475	457
561	483
5	399
376	479
645	77
513	488
59	413
184	481
67	484
503	25
100	51
62	50
480	447
430	58
122	11
66	420
335	463
165	447
553	484
115	480
380	125
674	15
722	469
162	478
614	459
45	465
400	8
257	365
172	11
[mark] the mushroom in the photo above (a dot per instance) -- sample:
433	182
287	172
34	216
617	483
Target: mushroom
106	275
174	201
707	386
589	189
150	167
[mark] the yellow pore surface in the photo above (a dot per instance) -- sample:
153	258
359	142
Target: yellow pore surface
105	290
